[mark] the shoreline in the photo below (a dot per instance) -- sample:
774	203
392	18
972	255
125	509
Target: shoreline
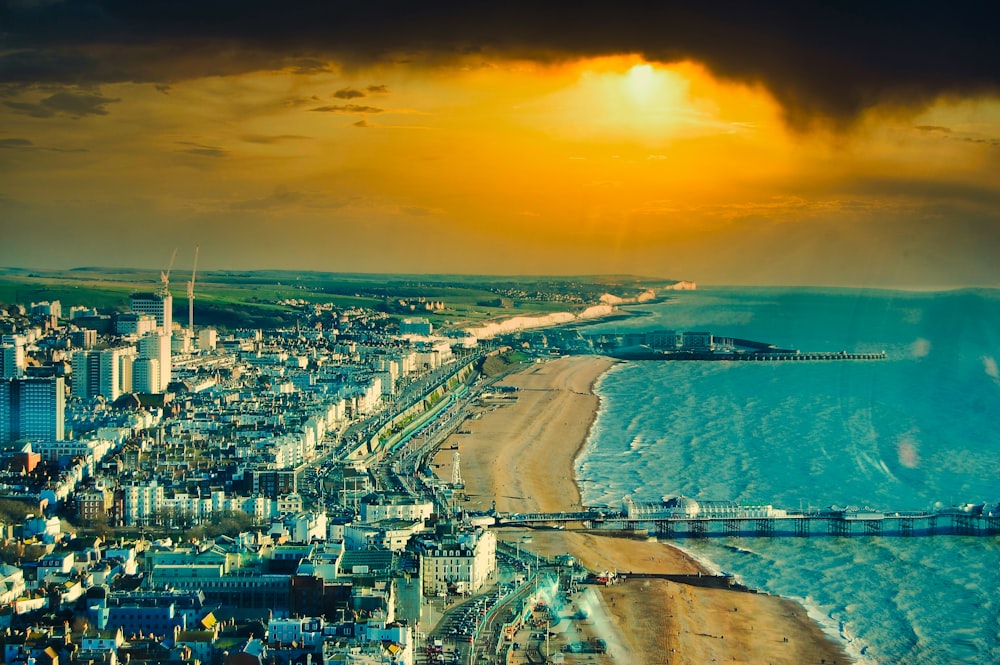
522	452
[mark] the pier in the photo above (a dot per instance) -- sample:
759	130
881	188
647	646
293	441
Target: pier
704	346
770	356
682	517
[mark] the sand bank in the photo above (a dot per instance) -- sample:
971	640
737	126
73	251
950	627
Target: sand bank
519	450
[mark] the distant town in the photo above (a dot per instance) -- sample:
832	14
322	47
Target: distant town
173	492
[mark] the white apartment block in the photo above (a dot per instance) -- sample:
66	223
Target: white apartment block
303	527
462	563
369	397
208	338
106	373
91	451
378	507
12	361
142	502
146	375
156	346
306	631
135	324
392	535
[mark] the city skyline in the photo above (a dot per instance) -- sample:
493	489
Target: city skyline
725	144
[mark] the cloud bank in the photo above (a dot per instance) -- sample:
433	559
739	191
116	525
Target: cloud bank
825	62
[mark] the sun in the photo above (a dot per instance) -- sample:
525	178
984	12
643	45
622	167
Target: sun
642	83
625	99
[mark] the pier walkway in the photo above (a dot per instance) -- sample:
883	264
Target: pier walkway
957	520
766	356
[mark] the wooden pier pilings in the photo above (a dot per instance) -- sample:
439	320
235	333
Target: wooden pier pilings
806	526
834	523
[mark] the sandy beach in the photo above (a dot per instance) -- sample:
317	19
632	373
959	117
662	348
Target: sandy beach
519	450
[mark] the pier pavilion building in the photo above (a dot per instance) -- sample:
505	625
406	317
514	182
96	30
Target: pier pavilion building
684	507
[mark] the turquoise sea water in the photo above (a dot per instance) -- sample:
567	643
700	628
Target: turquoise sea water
916	430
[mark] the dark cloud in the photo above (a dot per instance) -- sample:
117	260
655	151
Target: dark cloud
348	93
75	105
310	66
950	134
27	144
16	143
202	150
363	124
968	195
278	199
822	61
417	211
266	139
27	108
378	89
984	141
347	108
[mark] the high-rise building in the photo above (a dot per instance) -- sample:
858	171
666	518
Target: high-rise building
11	361
86	374
33	409
156	347
207	339
109	383
146	375
84	338
160	305
6	386
46	309
180	342
135	324
78	311
107	372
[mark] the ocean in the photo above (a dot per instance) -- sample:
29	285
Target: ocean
917	430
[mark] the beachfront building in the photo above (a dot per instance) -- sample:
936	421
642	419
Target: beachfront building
389	534
459	559
379	506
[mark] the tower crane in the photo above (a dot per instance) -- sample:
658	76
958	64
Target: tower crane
165	276
190	285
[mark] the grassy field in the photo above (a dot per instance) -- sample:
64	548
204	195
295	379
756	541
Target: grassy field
251	299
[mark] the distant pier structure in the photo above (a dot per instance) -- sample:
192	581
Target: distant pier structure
703	345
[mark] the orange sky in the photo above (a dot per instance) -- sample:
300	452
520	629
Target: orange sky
500	165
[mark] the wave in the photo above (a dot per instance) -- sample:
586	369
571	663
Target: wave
835	627
903	433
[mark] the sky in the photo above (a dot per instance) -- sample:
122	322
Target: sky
720	142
